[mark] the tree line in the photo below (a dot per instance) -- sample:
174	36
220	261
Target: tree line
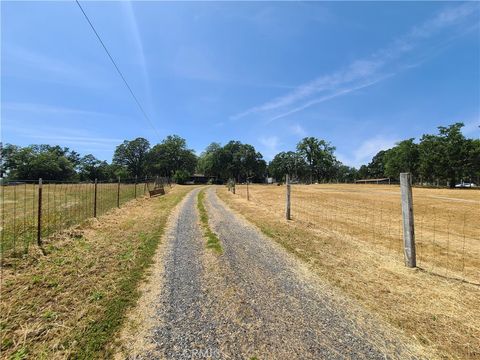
133	158
437	159
445	158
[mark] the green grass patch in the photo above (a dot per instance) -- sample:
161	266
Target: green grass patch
213	242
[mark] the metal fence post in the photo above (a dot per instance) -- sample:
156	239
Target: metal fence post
408	223
95	199
287	205
135	186
248	194
118	193
39	213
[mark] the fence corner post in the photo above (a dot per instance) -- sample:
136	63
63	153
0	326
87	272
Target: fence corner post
287	205
408	220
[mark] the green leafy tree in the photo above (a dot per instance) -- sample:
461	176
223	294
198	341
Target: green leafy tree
171	155
133	156
37	161
181	176
234	160
319	156
445	156
290	163
344	173
473	166
404	157
209	162
91	168
376	167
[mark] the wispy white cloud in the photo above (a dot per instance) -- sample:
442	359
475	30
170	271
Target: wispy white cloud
270	145
472	126
24	63
333	95
364	153
379	66
48	109
79	138
134	30
298	130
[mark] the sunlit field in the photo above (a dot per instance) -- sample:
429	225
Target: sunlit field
447	223
63	205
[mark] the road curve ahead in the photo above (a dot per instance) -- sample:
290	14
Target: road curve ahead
255	300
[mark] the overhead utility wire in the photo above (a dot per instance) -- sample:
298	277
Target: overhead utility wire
118	70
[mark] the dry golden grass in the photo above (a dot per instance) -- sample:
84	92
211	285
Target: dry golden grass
69	303
447	221
63	205
351	236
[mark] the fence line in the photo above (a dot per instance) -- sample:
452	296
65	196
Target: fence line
34	210
447	231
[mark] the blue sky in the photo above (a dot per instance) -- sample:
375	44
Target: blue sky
361	75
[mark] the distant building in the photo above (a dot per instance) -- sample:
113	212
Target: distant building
197	179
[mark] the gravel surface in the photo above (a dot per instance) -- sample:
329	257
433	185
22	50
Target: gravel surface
255	300
186	325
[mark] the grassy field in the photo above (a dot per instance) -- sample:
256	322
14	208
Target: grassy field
447	224
70	303
351	236
63	205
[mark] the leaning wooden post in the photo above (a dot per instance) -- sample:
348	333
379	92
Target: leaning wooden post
118	193
287	205
95	199
39	214
408	223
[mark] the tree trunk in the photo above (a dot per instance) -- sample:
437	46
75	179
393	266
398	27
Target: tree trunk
452	183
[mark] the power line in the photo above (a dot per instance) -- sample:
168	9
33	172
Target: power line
118	70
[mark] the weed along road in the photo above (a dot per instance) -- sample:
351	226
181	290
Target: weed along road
248	298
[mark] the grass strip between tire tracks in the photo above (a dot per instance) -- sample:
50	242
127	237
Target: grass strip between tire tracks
213	242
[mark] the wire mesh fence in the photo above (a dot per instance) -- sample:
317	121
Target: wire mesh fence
34	210
447	222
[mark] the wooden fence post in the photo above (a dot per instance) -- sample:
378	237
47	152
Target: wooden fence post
233	188
287	205
408	223
39	214
248	194
95	199
118	193
145	186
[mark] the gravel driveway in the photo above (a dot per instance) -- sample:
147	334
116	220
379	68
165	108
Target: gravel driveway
255	300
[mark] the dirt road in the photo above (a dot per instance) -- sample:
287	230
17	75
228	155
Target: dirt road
254	300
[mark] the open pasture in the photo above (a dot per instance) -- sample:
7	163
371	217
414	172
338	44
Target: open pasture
62	205
447	222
